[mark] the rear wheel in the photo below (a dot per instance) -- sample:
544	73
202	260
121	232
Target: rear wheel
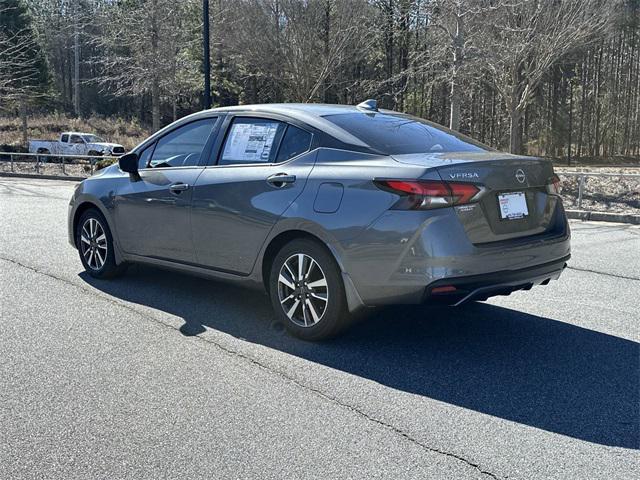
44	151
306	291
95	245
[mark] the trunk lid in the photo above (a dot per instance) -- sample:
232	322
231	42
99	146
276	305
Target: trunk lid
498	174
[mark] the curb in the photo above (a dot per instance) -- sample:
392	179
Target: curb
42	177
603	216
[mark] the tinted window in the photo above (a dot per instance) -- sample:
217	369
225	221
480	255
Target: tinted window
76	139
65	138
294	142
399	134
145	156
183	146
251	140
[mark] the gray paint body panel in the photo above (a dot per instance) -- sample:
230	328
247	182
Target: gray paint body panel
224	225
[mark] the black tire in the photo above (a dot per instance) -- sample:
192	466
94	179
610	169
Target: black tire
44	151
87	240
334	317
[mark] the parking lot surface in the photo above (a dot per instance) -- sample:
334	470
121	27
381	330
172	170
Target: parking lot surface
161	375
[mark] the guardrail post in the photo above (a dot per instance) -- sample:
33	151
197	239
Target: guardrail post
37	164
580	190
11	160
62	164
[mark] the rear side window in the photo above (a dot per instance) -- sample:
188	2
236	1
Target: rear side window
251	140
294	142
183	146
64	138
397	134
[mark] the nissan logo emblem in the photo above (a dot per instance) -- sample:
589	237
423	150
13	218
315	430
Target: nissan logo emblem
520	176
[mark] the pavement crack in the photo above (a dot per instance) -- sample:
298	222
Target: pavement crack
578	269
263	366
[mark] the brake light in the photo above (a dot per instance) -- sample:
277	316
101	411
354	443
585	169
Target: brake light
554	185
428	194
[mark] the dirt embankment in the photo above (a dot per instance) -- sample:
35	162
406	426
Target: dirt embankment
118	130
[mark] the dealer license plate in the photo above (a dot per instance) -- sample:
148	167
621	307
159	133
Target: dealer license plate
513	205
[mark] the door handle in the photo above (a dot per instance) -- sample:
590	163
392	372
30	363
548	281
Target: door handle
279	180
177	188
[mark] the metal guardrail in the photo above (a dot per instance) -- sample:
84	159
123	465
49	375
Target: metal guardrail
92	159
582	176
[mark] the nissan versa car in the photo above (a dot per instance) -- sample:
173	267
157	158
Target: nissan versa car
331	209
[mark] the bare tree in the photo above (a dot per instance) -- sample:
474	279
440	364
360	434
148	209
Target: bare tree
525	41
294	57
21	69
144	51
462	23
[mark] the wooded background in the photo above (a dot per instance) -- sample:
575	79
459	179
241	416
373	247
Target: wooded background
544	77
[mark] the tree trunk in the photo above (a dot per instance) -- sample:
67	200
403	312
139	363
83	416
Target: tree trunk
326	47
515	131
458	42
155	104
76	65
155	81
23	115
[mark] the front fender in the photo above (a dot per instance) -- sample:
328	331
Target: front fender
86	197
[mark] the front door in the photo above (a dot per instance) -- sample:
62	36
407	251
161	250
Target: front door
263	167
153	213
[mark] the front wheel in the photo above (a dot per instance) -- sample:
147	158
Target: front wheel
95	245
307	292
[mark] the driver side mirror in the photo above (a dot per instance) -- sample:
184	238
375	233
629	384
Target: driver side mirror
129	163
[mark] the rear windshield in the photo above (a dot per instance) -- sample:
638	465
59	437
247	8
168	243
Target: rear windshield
397	134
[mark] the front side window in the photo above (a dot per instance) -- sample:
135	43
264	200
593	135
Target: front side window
397	134
183	146
144	156
76	139
251	140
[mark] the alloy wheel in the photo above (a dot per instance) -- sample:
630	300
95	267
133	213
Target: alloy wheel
303	290
93	242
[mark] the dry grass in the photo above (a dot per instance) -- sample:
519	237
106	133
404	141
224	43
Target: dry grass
125	132
605	194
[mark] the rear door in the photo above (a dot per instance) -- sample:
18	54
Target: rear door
153	213
263	165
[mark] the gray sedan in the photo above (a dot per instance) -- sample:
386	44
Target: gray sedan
331	209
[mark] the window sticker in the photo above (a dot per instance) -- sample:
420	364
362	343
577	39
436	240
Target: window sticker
250	142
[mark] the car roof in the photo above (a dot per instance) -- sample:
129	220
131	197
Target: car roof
316	109
310	113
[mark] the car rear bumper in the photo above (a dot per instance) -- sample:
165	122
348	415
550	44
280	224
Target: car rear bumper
404	256
458	291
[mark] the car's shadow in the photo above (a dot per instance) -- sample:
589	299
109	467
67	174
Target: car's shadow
524	368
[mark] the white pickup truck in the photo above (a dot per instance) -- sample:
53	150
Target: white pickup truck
76	143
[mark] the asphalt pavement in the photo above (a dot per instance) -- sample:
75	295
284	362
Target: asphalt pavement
161	375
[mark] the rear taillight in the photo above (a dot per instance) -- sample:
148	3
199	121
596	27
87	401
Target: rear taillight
554	185
428	194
